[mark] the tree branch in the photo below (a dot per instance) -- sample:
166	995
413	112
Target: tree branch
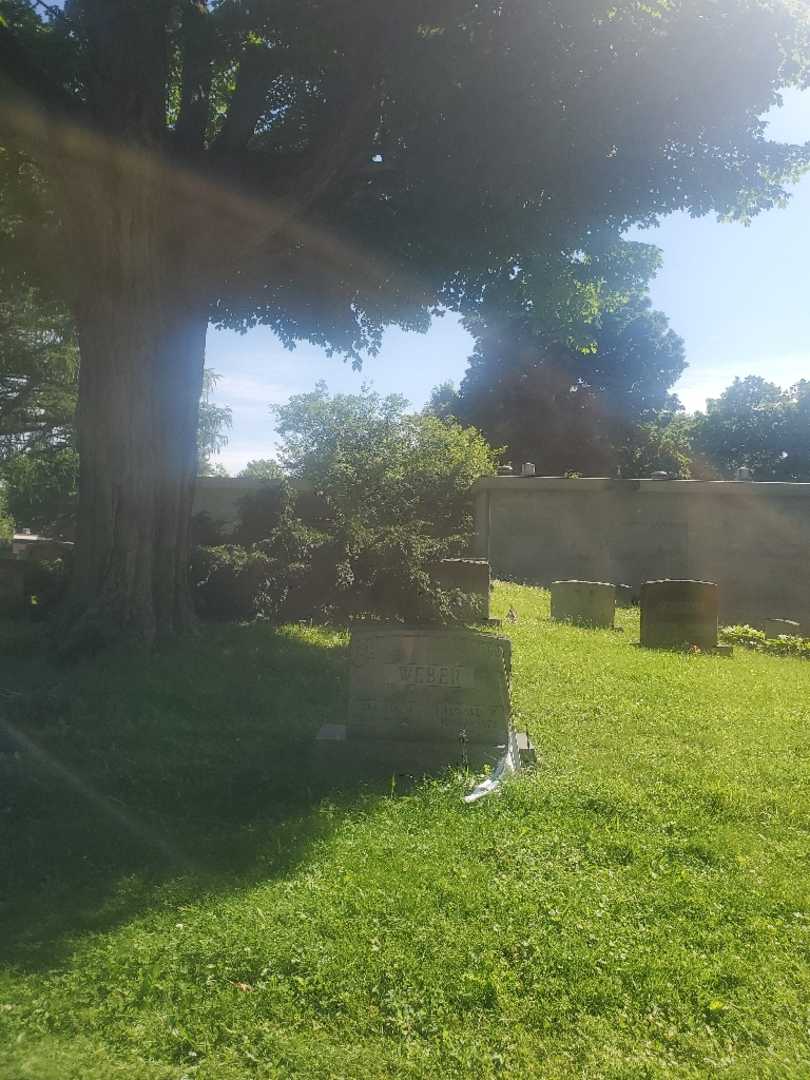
195	90
24	76
257	69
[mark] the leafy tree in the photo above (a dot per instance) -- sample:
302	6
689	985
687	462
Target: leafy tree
262	469
661	445
42	487
39	387
393	491
375	463
213	422
755	423
328	167
39	370
6	521
563	407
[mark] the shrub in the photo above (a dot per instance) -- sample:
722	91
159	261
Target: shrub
230	582
784	645
390	496
206	531
42	489
6	524
394	495
45	583
263	512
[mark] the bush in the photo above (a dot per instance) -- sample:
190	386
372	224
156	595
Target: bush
230	582
749	638
263	512
394	492
42	489
6	524
206	531
45	584
389	497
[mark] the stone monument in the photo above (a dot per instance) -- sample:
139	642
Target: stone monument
472	577
584	603
624	596
774	627
677	614
422	699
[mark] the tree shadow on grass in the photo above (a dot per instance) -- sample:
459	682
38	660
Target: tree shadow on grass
134	782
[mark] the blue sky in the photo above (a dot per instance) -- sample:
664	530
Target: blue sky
739	296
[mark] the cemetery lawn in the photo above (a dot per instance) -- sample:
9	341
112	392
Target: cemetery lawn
183	900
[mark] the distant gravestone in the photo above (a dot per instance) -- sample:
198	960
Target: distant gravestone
421	700
584	603
679	613
774	627
12	585
624	596
471	576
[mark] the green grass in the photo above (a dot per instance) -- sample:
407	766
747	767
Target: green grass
184	898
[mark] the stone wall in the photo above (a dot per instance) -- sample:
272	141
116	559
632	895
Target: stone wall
220	496
752	539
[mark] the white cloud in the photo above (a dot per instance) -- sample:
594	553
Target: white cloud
248	391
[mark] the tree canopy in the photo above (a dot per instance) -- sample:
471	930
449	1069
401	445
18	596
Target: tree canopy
327	167
262	469
580	407
333	166
757	425
39	368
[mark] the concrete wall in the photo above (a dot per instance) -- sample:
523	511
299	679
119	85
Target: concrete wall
752	539
220	496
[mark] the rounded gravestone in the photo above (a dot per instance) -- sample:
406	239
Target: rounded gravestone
624	596
775	627
676	614
585	603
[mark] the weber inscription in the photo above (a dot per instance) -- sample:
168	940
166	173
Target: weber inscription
448	686
429	675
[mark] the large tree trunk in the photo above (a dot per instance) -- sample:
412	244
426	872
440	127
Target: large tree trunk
142	345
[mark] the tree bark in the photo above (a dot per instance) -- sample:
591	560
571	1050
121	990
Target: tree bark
141	376
142	345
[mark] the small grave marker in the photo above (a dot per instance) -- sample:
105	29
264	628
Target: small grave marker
472	577
774	627
624	596
584	603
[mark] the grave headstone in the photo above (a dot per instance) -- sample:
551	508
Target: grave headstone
12	585
624	596
679	613
421	700
584	603
472	577
774	627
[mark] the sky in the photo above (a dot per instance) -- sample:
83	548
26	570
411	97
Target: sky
739	296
